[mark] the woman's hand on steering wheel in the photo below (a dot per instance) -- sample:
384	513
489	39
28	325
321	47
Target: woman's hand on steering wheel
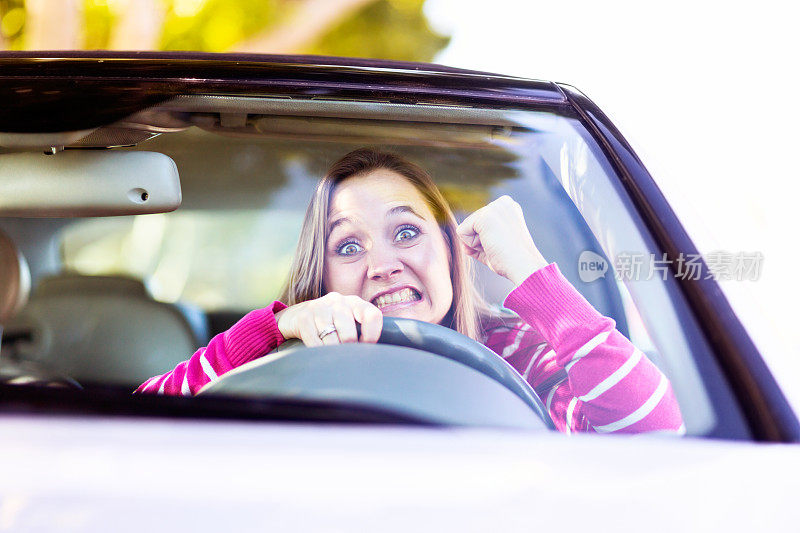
331	319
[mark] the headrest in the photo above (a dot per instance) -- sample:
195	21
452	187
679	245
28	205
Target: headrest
15	279
72	284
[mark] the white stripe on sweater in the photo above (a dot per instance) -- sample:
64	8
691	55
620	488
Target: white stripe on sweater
584	350
533	360
646	408
149	383
570	410
511	348
618	375
185	385
546	357
207	368
161	388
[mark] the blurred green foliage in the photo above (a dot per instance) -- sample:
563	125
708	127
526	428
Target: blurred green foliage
385	29
12	23
98	23
218	25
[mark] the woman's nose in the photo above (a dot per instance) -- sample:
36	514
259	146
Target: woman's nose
383	264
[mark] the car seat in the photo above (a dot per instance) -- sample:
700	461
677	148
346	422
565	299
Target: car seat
16	279
14	292
101	329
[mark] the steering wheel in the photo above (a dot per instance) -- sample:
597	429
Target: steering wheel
453	345
370	373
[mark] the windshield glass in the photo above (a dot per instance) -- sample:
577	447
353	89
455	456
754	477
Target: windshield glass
247	181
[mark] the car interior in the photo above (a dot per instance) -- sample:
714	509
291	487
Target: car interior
114	284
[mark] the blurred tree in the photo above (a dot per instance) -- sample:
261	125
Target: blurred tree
307	22
122	24
218	25
387	29
138	25
52	25
12	24
98	20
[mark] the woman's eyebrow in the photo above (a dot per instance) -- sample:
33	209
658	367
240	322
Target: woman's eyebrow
404	209
339	221
392	212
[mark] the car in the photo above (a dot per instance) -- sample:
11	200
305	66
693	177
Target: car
149	200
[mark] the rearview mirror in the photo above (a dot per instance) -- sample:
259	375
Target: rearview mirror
87	183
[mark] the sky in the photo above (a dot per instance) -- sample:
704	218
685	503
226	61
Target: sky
704	91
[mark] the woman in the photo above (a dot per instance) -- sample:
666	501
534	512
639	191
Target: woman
379	239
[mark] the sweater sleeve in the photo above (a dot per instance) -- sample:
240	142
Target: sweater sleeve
254	335
610	386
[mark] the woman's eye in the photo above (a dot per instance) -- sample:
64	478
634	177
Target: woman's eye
349	248
406	233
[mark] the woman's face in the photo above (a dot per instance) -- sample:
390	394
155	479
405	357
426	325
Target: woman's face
385	246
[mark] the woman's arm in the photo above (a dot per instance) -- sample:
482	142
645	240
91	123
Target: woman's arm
611	386
330	319
251	337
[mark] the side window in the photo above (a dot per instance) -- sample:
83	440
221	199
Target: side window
659	321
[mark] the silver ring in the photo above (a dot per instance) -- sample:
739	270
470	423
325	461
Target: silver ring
327	331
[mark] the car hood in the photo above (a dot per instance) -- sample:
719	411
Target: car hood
309	477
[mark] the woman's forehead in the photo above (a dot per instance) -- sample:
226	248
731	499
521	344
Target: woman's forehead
378	193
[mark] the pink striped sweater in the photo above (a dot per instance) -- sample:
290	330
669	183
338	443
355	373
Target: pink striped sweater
609	385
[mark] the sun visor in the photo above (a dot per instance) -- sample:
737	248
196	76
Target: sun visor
87	183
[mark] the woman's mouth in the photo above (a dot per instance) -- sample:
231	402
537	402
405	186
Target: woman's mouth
396	299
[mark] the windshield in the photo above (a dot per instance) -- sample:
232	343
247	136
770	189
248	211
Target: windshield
247	181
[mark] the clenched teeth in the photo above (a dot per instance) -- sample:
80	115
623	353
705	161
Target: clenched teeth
401	296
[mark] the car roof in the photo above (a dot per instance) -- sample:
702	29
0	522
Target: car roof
63	91
299	59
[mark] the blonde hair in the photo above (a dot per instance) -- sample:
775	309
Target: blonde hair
468	314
